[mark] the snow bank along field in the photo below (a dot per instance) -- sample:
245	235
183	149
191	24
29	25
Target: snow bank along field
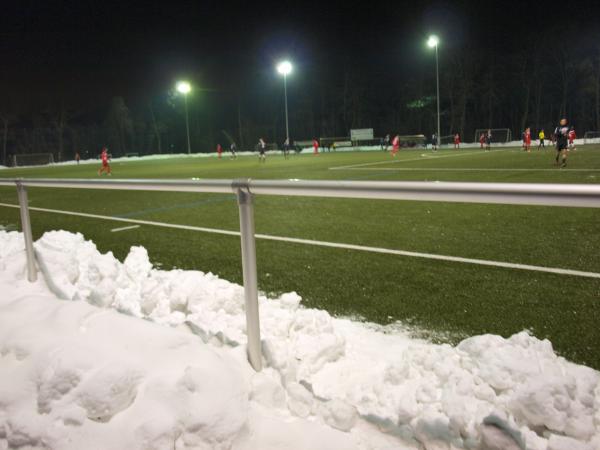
75	373
128	340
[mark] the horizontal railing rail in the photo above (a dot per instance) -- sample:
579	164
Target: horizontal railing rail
570	195
566	195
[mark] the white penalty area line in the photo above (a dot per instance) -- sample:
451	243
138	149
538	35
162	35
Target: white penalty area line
427	156
480	262
469	169
130	227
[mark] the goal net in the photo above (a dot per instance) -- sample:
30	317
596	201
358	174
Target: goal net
591	137
499	135
447	140
33	159
413	141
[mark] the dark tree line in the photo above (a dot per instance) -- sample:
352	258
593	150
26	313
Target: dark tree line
533	87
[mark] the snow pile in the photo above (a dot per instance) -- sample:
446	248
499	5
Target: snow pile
68	366
156	156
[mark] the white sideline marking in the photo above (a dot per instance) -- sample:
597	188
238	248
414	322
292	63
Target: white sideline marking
481	262
122	219
131	227
470	169
428	157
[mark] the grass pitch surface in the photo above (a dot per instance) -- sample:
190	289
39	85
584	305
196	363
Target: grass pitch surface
444	300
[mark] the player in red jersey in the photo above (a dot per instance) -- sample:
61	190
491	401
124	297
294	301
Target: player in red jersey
315	146
527	140
395	145
572	137
481	140
105	165
456	141
219	150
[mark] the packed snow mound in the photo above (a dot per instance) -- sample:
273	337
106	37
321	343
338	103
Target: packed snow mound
370	386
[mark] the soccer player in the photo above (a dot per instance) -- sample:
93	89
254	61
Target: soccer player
315	146
456	141
481	140
232	149
105	166
262	147
527	140
385	142
395	145
561	134
219	150
286	148
434	142
541	136
488	139
77	157
572	137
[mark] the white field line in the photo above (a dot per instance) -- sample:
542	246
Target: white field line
122	219
130	227
470	169
481	262
422	158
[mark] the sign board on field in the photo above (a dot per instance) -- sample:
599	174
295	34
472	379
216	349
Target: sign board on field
362	134
340	144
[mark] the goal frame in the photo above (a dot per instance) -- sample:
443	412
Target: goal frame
591	137
49	156
447	140
495	132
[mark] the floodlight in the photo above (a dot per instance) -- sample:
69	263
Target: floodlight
184	87
284	68
433	41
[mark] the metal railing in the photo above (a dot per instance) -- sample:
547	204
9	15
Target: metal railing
569	195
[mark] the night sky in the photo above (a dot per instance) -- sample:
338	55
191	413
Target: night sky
360	65
96	48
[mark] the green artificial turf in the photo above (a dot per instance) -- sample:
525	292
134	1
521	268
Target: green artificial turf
447	299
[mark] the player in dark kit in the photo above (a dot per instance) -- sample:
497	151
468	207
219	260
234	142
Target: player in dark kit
262	147
286	148
385	142
561	134
488	139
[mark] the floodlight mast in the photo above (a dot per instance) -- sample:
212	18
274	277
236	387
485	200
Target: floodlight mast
183	87
433	42
285	68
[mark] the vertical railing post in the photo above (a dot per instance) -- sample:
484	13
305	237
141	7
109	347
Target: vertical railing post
26	227
246	207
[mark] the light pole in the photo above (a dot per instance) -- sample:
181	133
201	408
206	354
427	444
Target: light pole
184	88
285	68
432	42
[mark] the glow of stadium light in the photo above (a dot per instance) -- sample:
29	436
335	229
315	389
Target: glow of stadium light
184	87
433	41
284	68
